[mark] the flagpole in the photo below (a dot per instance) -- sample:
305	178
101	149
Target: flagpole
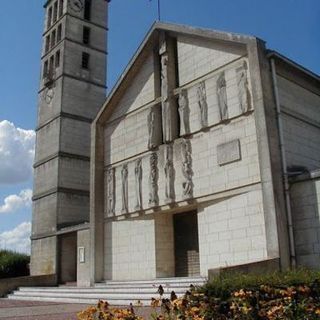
159	12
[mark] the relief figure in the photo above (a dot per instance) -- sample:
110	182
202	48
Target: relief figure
187	172
124	180
110	185
169	175
153	180
138	184
184	112
243	88
222	97
202	103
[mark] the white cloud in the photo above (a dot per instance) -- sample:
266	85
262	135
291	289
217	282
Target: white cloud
16	153
17	239
15	202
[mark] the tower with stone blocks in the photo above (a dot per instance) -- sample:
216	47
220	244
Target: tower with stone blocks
72	90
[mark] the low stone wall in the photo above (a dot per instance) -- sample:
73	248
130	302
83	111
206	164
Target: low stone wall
10	284
259	267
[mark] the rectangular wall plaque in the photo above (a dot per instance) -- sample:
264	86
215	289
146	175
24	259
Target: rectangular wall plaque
228	152
81	254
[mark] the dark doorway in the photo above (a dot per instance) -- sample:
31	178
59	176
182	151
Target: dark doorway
186	244
68	258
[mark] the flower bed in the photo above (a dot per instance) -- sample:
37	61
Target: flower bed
291	295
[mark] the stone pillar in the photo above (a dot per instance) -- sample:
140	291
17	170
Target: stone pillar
168	84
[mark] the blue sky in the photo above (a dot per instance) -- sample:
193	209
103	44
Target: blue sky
291	27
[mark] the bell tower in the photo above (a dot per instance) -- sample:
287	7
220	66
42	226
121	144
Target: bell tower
72	90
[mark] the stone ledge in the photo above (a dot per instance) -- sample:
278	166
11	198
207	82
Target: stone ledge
9	284
258	267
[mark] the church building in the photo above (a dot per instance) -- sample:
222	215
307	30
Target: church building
204	155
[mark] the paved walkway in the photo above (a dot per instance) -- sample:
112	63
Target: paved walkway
30	310
33	310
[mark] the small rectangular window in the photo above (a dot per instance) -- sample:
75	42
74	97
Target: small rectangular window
87	10
47	43
45	69
59	33
60	8
55	11
53	38
86	35
85	60
49	21
57	59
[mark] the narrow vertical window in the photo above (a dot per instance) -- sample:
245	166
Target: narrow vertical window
57	65
86	35
60	8
45	69
55	11
53	38
47	44
87	9
59	33
49	21
85	60
51	65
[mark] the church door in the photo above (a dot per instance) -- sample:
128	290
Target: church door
186	244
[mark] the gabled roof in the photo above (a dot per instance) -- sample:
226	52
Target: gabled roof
173	29
209	34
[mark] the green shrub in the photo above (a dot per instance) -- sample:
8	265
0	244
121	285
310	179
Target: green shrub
13	264
222	286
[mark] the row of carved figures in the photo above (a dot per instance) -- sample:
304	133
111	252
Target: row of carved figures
169	172
244	98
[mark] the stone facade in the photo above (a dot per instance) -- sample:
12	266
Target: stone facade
188	158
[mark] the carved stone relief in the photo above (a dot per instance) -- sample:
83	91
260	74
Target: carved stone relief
124	181
184	112
110	195
222	97
202	103
154	127
187	172
153	180
138	184
243	88
169	174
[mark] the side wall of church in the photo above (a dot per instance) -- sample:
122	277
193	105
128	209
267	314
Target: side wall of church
301	124
214	161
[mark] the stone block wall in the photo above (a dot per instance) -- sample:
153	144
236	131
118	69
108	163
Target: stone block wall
232	231
130	249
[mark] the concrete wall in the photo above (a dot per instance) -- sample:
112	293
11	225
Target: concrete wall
301	121
10	284
43	256
305	197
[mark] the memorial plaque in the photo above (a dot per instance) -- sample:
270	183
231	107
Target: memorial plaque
228	152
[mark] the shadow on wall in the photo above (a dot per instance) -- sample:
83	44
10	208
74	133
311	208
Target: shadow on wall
305	196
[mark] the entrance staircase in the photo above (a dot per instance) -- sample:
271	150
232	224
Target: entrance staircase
117	293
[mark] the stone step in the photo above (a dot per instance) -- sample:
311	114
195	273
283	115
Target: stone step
115	302
118	293
103	290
